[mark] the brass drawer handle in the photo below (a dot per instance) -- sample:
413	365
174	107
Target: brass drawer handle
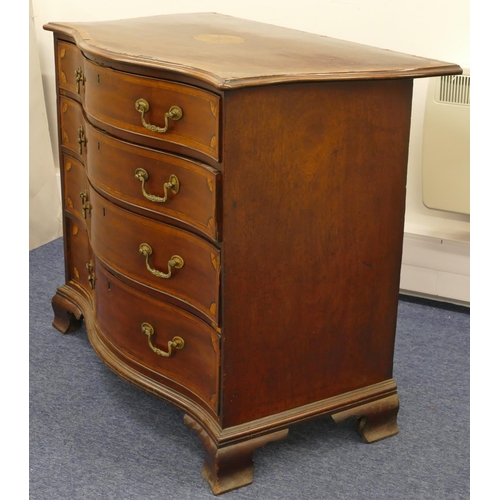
85	204
174	113
175	261
90	268
82	140
79	79
177	343
172	184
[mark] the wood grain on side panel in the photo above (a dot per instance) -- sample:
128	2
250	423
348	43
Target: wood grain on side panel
313	214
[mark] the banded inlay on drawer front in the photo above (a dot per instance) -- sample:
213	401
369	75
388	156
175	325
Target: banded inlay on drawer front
142	177
80	261
194	366
76	199
73	126
156	255
146	106
70	68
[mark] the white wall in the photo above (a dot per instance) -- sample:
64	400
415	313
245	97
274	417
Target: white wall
437	29
44	202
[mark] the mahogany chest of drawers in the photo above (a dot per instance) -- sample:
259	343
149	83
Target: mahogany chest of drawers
234	200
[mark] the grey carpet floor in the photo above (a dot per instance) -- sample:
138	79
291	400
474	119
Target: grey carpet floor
94	436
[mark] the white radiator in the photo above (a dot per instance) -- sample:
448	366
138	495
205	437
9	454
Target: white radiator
446	144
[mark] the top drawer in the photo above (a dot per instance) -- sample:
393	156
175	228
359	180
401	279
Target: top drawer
165	111
70	69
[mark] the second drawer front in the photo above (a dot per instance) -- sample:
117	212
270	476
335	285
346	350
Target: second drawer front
156	255
158	182
124	315
73	126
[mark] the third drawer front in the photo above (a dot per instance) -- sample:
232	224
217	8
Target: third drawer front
154	255
76	188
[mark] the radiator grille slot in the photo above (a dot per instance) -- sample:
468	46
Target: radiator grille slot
454	89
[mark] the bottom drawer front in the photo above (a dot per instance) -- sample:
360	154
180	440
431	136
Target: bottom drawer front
163	338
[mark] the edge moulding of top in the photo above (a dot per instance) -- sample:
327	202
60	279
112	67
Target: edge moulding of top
319	69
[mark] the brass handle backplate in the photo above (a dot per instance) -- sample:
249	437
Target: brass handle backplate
79	79
172	184
90	269
177	343
174	113
175	262
82	140
85	204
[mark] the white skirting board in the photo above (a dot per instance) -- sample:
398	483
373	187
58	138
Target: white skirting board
436	268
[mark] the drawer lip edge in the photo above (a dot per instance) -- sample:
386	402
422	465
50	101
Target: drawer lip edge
211	237
197	408
98	55
173	300
132	354
171	139
131	363
198	130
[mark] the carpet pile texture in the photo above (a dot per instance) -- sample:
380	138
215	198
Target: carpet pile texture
93	436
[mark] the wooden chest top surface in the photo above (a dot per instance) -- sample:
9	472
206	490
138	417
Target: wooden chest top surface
229	52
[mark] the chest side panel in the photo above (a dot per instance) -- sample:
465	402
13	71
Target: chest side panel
314	194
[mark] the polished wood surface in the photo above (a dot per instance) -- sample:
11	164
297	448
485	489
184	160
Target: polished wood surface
375	422
117	235
77	187
111	169
229	467
71	122
112	164
291	163
69	61
110	97
229	52
79	254
120	314
320	229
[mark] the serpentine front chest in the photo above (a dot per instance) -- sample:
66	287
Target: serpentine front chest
234	200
